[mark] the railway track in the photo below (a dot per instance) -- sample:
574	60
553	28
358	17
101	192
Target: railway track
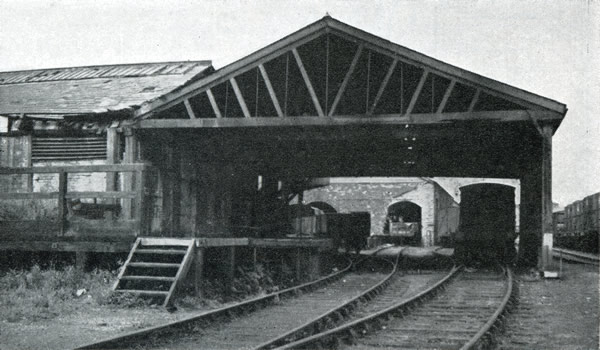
573	255
466	316
261	322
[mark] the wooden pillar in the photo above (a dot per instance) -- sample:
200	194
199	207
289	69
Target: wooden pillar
298	264
131	151
199	270
112	157
29	161
62	203
314	264
530	241
546	257
254	257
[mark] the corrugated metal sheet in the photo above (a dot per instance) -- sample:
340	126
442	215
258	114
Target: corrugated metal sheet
96	89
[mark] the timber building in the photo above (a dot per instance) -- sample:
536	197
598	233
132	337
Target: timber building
106	154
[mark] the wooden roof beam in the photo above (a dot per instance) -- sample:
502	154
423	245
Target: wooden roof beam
474	100
340	93
309	86
240	97
415	96
388	119
384	83
446	97
188	108
265	76
213	103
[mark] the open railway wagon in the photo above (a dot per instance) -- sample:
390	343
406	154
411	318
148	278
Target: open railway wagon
486	230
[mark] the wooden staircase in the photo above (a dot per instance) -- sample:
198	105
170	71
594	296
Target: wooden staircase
155	267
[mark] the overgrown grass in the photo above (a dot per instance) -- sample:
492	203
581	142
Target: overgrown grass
34	294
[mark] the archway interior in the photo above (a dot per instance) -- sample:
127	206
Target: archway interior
407	211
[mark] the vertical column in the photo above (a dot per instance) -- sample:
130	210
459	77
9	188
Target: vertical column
531	208
28	159
62	203
546	262
81	259
131	150
230	267
112	157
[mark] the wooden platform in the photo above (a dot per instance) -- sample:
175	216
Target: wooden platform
123	244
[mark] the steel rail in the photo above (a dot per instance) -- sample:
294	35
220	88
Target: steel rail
245	306
576	256
352	329
334	315
485	338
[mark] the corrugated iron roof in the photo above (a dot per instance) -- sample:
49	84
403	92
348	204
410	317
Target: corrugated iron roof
93	89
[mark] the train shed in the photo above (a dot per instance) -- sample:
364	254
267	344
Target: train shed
216	156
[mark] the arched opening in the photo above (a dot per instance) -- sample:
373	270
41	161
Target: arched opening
403	222
324	207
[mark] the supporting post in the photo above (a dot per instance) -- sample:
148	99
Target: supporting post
131	149
199	271
112	157
254	257
62	203
547	196
29	155
446	97
188	108
298	264
384	83
474	100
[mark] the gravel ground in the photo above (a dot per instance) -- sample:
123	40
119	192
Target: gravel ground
87	324
558	314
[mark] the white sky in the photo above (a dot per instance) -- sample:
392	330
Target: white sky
551	48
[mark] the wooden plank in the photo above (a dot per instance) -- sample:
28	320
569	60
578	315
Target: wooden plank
474	100
188	108
221	242
240	97
112	157
154	265
274	99
105	195
29	195
415	96
29	158
291	242
381	119
213	103
139	204
340	93
150	293
149	241
446	97
75	168
384	83
64	246
148	278
309	86
161	251
62	203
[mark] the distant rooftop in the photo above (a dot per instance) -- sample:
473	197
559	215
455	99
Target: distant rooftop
93	89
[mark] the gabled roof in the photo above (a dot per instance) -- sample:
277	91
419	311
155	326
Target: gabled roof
93	89
492	89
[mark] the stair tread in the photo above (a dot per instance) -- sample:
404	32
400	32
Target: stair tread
141	291
160	251
153	264
149	278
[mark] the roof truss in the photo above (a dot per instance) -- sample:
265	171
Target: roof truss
332	70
